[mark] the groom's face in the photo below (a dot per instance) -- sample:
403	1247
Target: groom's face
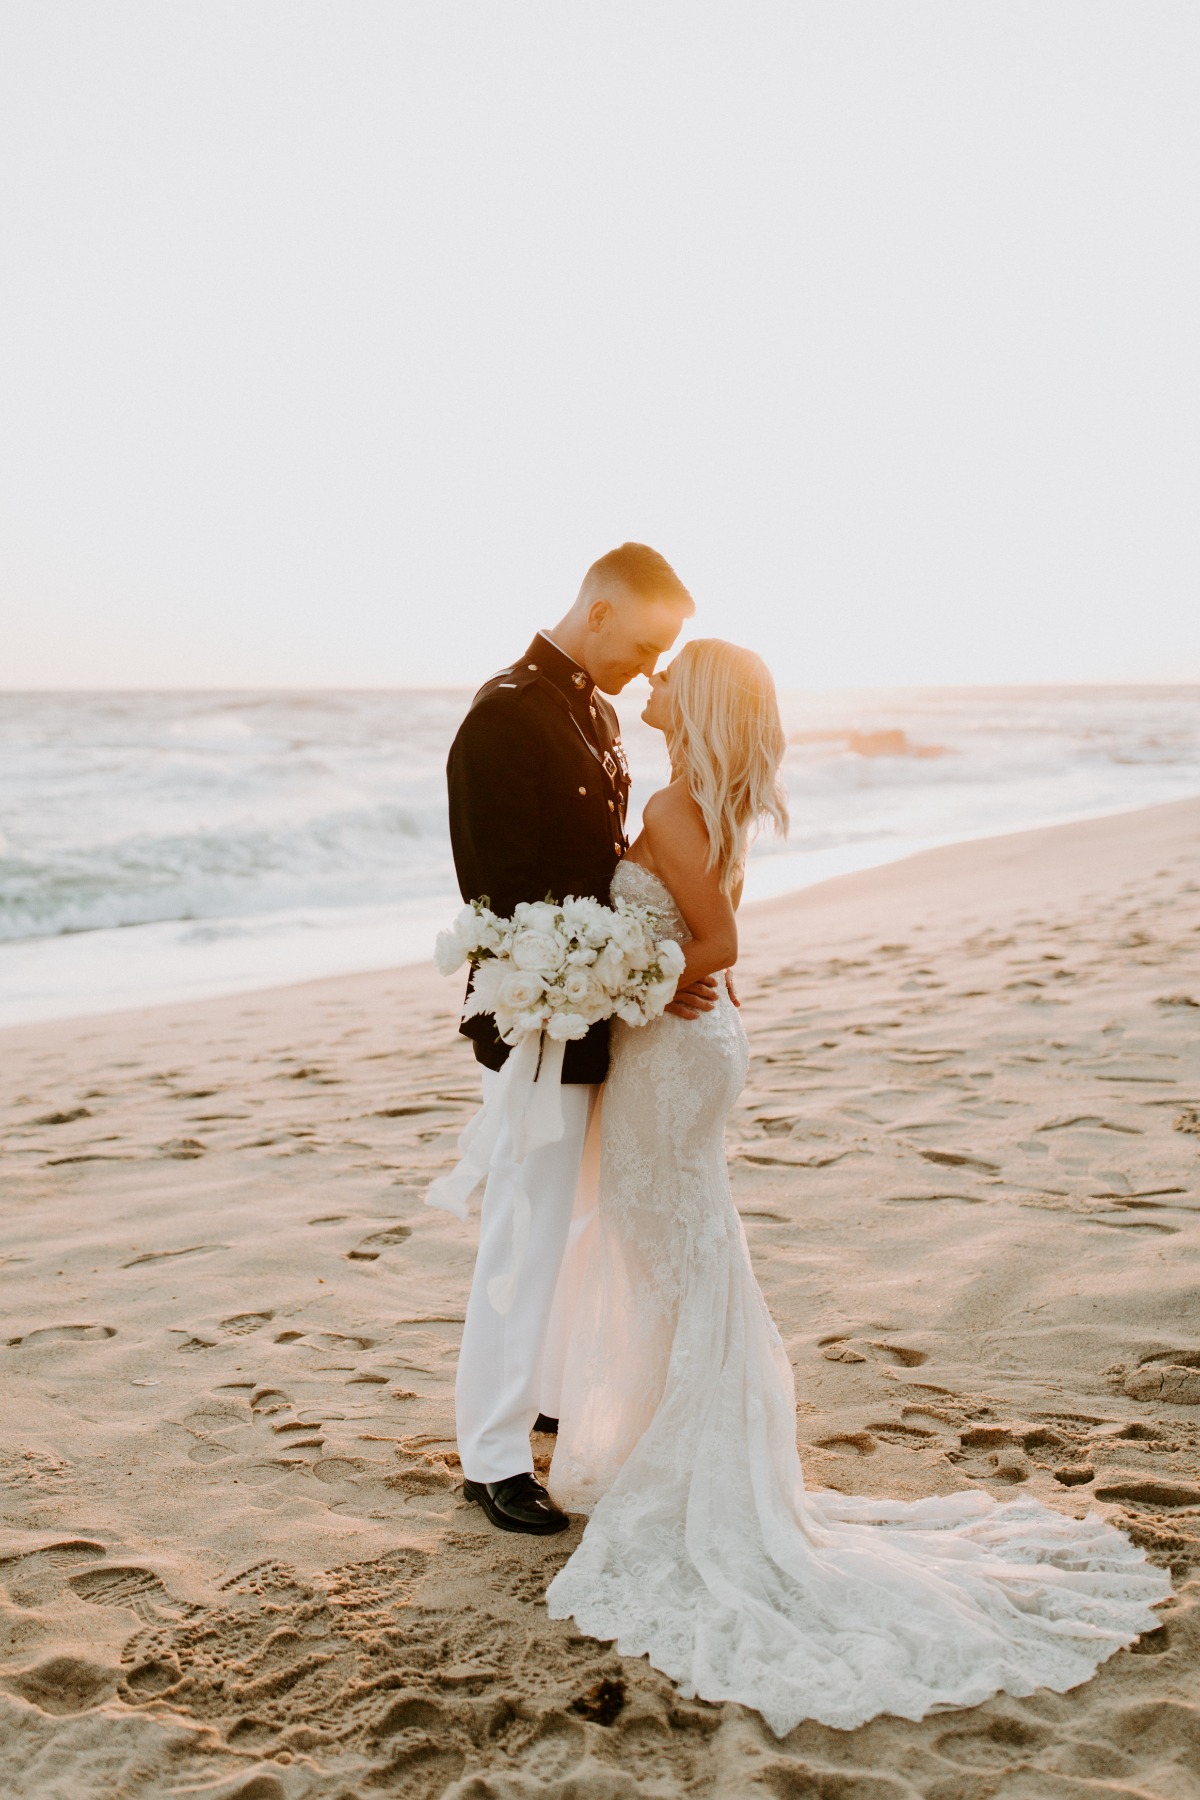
626	637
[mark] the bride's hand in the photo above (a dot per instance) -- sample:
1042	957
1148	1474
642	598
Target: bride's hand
730	989
700	996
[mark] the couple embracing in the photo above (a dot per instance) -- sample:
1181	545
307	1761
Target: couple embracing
636	1329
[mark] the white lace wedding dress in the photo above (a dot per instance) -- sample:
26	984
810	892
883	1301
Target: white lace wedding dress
677	1434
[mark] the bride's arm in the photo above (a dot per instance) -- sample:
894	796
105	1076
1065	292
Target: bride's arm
678	842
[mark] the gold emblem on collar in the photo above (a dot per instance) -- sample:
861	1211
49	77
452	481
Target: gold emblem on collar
580	679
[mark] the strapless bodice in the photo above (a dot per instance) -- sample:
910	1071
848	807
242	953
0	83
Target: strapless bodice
641	887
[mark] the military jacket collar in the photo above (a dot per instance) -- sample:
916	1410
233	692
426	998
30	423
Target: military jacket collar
546	659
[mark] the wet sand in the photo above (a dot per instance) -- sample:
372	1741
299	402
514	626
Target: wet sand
236	1561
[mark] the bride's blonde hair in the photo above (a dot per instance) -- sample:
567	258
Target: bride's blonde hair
727	743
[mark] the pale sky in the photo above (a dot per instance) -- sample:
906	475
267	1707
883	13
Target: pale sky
337	339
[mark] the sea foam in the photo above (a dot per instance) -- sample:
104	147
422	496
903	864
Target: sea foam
159	845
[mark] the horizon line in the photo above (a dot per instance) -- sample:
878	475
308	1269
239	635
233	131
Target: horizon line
443	687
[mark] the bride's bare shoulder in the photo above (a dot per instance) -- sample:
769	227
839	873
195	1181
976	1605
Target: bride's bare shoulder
672	812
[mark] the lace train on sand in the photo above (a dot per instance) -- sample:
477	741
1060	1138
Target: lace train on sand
703	1550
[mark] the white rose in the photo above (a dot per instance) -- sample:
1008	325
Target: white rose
610	968
631	1012
562	1025
533	1020
521	989
538	950
493	936
658	996
670	958
472	927
588	920
449	952
632	937
536	915
581	986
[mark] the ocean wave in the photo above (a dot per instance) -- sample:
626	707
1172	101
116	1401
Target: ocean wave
120	811
356	859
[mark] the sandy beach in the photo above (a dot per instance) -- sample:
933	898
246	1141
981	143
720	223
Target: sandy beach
235	1557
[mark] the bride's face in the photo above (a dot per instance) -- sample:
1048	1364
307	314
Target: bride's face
657	710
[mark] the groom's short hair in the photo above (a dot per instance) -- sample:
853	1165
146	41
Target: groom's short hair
643	572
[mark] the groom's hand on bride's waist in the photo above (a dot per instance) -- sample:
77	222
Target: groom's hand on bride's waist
700	996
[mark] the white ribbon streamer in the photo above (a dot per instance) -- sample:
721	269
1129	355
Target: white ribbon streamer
528	1098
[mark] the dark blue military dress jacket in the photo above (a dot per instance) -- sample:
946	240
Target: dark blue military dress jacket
538	790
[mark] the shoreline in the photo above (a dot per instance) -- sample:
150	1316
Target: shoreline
749	910
234	1554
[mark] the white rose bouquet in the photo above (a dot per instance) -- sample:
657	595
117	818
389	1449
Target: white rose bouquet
547	975
561	969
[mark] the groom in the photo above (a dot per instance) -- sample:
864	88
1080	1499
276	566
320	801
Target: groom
538	790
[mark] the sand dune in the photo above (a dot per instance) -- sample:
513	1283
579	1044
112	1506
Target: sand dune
235	1558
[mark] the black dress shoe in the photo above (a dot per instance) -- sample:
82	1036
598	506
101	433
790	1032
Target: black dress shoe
542	1423
520	1503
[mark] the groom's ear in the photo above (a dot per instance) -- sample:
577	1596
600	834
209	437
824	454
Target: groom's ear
598	612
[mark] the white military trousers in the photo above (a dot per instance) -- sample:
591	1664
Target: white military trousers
510	1364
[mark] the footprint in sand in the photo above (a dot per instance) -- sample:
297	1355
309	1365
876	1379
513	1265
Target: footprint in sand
72	1552
1169	1375
854	1349
64	1684
33	1577
326	1340
1144	1491
138	1589
151	1680
282	1650
267	1400
219	1424
373	1245
241	1324
909	1436
429	1465
265	1577
986	1437
61	1334
209	1452
861	1443
269	1409
209	1423
560	1745
1000	1743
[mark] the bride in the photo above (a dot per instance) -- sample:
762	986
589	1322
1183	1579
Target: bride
677	1432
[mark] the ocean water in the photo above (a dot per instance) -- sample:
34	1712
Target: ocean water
156	846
